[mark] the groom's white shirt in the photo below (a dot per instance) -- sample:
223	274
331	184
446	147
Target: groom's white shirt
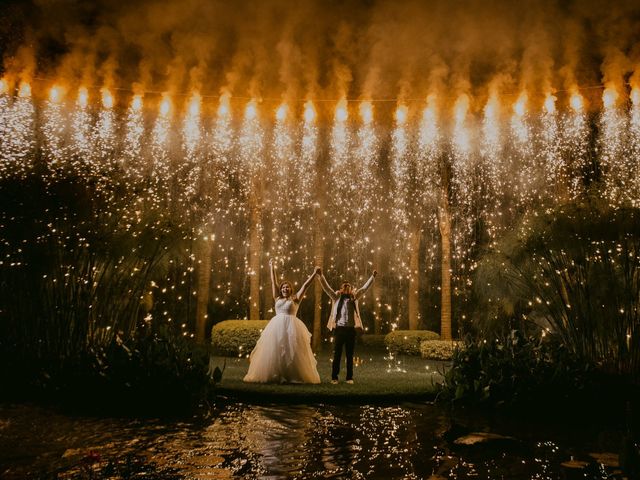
336	296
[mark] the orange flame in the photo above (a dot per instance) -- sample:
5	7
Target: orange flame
194	104
609	97
55	94
341	111
223	108
492	106
25	90
251	111
401	114
83	97
107	98
550	103
429	114
309	112
520	107
281	112
576	101
165	105
136	103
461	108
366	112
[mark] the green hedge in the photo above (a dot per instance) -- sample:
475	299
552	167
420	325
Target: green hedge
438	349
236	337
408	341
372	341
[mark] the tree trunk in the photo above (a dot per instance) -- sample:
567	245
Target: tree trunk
203	290
316	339
414	280
255	255
377	294
445	235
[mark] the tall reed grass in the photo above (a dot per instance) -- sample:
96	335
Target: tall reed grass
574	273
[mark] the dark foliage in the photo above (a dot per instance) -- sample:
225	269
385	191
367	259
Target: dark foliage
513	369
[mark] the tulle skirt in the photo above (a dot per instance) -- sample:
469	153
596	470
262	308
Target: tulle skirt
283	353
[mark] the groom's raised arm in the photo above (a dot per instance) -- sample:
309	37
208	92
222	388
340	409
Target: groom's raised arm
361	291
326	287
306	284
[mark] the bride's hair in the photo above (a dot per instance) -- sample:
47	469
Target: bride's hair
281	285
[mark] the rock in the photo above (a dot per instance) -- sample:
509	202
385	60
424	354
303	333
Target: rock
482	438
607	459
576	464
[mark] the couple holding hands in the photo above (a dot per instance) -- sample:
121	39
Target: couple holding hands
283	351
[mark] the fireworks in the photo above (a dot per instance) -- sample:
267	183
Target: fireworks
505	162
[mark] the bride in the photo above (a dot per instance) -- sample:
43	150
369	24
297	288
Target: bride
283	352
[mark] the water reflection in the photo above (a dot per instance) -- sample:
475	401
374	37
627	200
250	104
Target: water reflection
299	442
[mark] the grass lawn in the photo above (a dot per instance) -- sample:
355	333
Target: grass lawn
376	376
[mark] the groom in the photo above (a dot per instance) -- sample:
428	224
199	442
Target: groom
345	319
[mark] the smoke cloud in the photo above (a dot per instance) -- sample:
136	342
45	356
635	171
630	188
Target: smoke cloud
365	49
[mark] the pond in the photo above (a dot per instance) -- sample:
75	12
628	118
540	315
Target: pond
402	441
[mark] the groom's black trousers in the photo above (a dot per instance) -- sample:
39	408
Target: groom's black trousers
343	337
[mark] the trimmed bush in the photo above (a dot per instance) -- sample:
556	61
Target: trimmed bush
408	341
373	341
236	337
438	349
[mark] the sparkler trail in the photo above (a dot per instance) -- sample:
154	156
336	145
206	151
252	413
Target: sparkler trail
634	146
132	152
54	131
81	138
18	147
611	142
493	168
576	144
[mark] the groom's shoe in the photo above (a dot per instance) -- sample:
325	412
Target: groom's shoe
350	382
334	381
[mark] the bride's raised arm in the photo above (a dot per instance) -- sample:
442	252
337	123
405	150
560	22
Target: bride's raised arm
274	280
306	284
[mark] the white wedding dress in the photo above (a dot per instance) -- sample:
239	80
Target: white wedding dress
283	352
